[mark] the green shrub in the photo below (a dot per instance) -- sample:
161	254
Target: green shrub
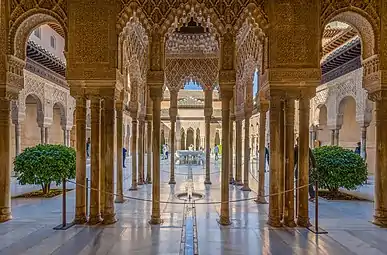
45	164
338	168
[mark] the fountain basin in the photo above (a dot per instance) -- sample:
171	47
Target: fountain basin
185	196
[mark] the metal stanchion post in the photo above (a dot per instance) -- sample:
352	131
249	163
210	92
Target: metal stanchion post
64	224
315	229
87	196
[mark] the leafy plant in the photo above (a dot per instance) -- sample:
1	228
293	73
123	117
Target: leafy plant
45	164
338	168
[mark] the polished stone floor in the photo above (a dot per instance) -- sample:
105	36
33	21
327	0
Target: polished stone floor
31	230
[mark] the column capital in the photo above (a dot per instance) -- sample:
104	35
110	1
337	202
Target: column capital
263	106
156	92
226	92
378	95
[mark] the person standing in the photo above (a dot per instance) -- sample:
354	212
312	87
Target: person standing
216	151
88	147
166	151
124	157
358	149
267	158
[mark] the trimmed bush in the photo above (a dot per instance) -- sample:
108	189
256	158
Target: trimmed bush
338	168
45	164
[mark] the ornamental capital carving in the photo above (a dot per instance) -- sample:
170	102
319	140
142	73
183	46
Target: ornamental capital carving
227	78
156	93
155	79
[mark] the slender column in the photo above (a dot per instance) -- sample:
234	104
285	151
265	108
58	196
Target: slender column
275	161
134	150
225	206
46	135
303	163
68	136
156	94
289	163
333	137
246	163
109	216
282	160
262	154
380	214
231	177
172	115
141	152
42	135
95	211
119	149
238	152
80	199
207	115
363	149
149	153
17	138
65	136
102	133
5	160
337	137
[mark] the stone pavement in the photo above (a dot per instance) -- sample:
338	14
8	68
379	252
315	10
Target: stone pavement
347	223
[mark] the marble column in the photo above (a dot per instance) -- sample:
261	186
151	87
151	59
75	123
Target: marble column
5	159
224	219
80	199
380	214
275	161
102	133
303	163
238	151
262	154
337	137
207	115
289	163
42	135
109	216
95	211
156	94
363	149
149	153
65	136
246	163
133	149
172	115
46	135
141	162
17	138
282	160
232	118
68	132
119	149
333	137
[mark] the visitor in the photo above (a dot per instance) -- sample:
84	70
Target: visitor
88	147
166	151
124	157
216	152
163	150
267	158
357	149
312	164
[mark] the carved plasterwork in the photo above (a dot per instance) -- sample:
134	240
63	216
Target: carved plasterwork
202	71
192	46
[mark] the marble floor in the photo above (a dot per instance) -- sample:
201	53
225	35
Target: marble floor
348	224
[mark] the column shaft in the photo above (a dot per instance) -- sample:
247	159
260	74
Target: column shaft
208	149
95	211
231	178
262	156
363	150
337	137
238	150
65	137
17	138
149	153
5	160
141	153
289	165
282	160
173	128
303	163
275	161
333	137
380	214
155	217
80	200
120	154
225	206
46	135
109	216
102	132
42	135
134	153
246	163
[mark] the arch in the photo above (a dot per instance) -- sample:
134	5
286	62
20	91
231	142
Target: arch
62	109
350	128
26	23
129	12
217	138
321	116
362	23
342	101
190	137
182	139
255	16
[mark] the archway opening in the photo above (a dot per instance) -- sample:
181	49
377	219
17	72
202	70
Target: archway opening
350	129
34	117
58	126
323	133
190	142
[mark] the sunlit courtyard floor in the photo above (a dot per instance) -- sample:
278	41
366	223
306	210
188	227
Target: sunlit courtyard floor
348	224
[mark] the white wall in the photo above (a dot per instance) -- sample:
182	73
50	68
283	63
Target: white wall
45	41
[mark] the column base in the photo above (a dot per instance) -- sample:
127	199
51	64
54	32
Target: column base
274	222
380	221
290	223
155	221
303	222
80	219
172	182
208	182
225	221
133	188
260	200
119	199
245	188
238	183
141	183
5	214
94	219
109	219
